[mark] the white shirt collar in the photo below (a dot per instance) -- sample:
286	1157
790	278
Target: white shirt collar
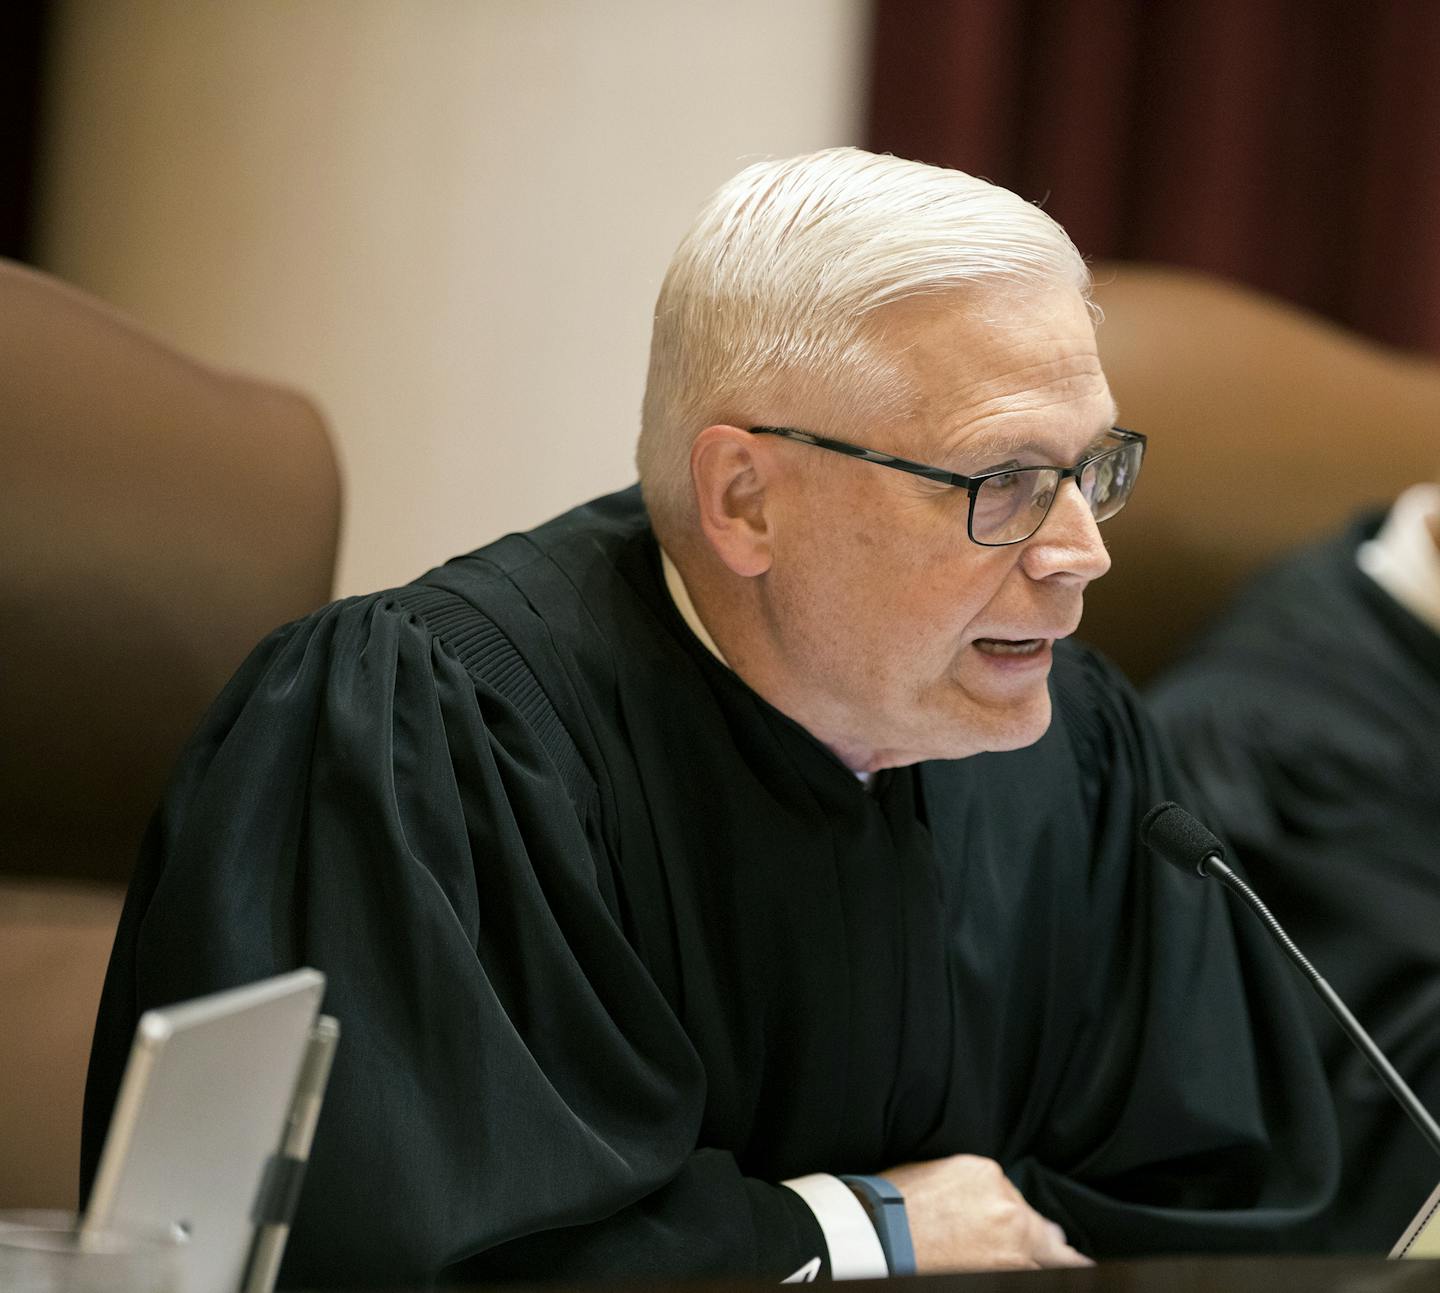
680	595
1403	557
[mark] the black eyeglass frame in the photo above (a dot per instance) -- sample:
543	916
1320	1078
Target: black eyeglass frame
971	484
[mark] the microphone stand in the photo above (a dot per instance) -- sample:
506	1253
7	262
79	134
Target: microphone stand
1213	864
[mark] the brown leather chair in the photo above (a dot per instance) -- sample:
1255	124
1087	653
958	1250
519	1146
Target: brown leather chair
157	518
1268	427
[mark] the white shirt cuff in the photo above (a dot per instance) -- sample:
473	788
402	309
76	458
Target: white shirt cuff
855	1252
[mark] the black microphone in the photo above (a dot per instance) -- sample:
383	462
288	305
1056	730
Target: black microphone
1183	842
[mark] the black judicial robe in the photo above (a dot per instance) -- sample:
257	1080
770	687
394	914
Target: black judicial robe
1311	718
616	946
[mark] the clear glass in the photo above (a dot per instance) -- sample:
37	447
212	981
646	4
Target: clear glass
1009	506
44	1252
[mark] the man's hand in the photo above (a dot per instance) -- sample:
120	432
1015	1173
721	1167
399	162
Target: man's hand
966	1216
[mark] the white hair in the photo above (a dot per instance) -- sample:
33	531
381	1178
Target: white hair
770	300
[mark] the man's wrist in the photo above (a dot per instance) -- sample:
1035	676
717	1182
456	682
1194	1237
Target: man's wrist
884	1204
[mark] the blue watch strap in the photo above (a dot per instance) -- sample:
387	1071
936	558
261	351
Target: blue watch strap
885	1206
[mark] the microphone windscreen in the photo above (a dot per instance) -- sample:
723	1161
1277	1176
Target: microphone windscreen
1179	838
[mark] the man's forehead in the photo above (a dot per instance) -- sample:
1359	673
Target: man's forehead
1009	431
1050	416
1029	330
1005	375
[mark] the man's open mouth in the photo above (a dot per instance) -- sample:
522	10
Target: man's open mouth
1011	646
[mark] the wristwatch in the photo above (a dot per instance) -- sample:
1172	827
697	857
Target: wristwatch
885	1206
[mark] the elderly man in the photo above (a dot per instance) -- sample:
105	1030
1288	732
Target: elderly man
679	857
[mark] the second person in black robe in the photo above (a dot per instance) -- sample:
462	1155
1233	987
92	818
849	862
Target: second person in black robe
1310	717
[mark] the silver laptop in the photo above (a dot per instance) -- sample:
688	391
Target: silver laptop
207	1122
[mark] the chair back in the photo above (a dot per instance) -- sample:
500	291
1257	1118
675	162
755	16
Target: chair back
157	518
1268	427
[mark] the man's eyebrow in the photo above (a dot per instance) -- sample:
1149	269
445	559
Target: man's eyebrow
1003	447
1017	442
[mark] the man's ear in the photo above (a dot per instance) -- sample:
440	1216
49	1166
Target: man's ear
730	472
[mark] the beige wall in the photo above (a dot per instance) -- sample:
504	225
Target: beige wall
444	219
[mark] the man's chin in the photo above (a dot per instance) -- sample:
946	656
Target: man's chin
1026	735
1014	726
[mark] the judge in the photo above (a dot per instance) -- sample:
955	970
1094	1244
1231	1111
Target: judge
758	827
1311	715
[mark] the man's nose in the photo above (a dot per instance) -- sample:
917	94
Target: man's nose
1068	546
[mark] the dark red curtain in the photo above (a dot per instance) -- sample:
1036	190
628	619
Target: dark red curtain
1290	144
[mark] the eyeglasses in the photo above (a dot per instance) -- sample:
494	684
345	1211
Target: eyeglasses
1009	506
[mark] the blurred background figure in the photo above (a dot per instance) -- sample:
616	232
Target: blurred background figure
1310	719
